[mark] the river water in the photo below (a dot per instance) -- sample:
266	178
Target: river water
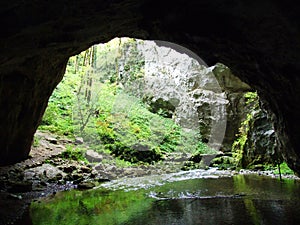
190	197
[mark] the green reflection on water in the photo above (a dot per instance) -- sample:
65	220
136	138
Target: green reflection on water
89	207
106	206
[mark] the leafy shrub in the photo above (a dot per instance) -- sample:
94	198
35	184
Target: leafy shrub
76	154
284	169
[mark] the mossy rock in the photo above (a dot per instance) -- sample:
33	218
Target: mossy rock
189	165
224	162
135	154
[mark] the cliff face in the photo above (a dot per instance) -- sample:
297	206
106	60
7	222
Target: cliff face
261	145
209	100
257	40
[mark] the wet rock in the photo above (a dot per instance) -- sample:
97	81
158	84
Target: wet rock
58	177
38	187
15	175
44	172
68	177
79	140
106	176
93	156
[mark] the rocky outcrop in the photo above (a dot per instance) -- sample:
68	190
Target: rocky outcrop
257	40
207	100
261	146
236	109
179	86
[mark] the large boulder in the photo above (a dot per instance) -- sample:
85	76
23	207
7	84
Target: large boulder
93	156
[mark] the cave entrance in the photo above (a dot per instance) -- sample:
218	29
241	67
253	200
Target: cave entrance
143	100
132	106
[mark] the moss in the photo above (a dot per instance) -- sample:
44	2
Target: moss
135	154
224	162
36	141
239	144
73	153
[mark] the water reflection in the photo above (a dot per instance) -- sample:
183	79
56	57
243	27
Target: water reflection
242	199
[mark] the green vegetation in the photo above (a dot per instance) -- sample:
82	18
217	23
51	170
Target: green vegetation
91	102
238	146
224	162
131	132
239	143
284	169
36	142
58	115
74	153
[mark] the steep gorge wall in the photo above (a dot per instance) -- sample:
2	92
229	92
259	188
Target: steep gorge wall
258	40
209	100
261	146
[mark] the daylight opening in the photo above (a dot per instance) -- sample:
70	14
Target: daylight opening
138	101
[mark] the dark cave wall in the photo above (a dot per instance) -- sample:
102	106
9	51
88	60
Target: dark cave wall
258	40
24	93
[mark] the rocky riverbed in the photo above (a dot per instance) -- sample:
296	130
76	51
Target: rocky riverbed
46	172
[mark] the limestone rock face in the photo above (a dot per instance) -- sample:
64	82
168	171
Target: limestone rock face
258	40
179	86
236	109
261	146
236	113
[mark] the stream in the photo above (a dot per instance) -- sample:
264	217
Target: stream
188	197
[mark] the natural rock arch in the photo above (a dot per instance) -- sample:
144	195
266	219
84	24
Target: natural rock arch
258	40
